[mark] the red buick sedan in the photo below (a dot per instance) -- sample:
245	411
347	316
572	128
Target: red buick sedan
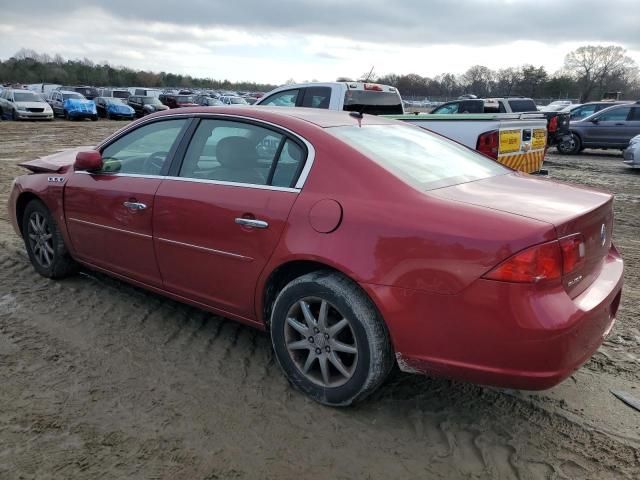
358	242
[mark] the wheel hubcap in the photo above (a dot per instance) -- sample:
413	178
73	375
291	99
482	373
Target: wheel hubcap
321	342
40	239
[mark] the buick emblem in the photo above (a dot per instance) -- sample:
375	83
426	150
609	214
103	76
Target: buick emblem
603	234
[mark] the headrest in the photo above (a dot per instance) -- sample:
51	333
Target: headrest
236	152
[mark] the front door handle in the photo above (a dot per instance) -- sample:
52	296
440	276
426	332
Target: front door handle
251	223
134	205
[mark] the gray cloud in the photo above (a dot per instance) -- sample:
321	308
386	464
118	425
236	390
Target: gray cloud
409	22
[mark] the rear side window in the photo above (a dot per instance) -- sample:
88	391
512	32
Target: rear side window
373	102
616	115
518	106
287	98
316	97
584	111
237	152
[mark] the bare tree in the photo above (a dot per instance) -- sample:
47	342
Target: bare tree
593	66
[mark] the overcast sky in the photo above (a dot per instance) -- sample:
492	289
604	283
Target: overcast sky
272	41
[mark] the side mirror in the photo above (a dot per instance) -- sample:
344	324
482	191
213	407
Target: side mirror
595	120
89	161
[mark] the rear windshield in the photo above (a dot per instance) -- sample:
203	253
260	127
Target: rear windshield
120	94
420	158
184	99
373	102
518	106
86	91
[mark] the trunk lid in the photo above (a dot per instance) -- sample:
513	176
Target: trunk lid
570	209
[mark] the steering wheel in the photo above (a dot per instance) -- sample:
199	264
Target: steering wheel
154	162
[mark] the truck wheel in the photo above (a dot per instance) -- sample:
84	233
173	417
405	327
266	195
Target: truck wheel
570	147
45	245
329	339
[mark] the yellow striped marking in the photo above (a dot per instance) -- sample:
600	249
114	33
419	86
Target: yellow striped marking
527	162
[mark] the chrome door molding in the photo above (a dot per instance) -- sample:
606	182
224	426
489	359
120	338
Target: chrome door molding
206	249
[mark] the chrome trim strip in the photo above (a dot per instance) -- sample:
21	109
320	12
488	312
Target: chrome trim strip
113	229
134	175
233	184
144	120
206	249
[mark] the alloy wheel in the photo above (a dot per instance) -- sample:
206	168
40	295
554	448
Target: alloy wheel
40	239
321	342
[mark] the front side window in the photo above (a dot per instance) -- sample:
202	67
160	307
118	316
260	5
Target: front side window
238	152
143	151
288	98
419	158
616	115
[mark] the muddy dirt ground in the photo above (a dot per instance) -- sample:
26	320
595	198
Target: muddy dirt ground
99	379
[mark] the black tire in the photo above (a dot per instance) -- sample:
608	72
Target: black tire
94	118
14	115
572	147
366	333
65	115
61	264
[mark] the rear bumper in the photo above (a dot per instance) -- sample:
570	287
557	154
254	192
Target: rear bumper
501	334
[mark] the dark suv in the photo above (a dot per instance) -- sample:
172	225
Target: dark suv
587	109
178	101
612	127
145	105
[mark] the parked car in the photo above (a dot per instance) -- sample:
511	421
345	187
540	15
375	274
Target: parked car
87	92
578	112
177	101
115	92
145	105
631	154
371	98
113	108
557	106
147	92
232	100
612	127
441	261
23	105
72	105
207	101
557	122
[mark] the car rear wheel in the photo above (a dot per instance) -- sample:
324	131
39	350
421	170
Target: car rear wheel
45	245
65	114
570	147
14	115
94	118
329	339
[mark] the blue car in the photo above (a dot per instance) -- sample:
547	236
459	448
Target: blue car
72	105
111	107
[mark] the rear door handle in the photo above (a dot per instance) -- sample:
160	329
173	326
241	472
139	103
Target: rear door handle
251	223
135	205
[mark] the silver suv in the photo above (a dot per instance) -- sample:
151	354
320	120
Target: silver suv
612	128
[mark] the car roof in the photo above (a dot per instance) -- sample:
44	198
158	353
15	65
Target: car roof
320	117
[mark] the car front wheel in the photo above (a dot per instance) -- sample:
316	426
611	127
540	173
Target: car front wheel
570	147
329	339
45	245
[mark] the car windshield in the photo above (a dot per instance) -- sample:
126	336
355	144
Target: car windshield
113	101
184	99
420	158
120	94
26	97
237	100
373	102
74	96
151	101
86	91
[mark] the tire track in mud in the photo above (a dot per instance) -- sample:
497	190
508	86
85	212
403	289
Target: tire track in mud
440	423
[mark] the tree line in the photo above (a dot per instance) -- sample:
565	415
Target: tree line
588	73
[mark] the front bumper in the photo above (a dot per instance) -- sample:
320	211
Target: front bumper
501	334
34	115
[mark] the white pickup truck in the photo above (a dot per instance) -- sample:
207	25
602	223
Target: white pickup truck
516	140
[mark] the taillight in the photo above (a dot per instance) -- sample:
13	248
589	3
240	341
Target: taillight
573	252
553	125
535	264
547	261
488	144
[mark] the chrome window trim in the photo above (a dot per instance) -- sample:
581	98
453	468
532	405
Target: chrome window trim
206	249
311	151
114	229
